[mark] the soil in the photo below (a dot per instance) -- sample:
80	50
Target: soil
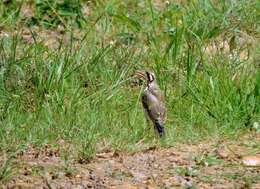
204	165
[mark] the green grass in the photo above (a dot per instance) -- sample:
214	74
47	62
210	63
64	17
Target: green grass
82	91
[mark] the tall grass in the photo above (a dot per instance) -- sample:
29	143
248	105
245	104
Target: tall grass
82	92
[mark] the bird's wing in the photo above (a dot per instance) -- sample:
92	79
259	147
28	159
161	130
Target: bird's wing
155	109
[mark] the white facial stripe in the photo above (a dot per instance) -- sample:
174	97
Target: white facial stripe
150	77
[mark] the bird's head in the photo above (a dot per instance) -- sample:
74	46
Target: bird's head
148	76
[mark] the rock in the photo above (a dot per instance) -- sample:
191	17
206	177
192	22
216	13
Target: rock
251	160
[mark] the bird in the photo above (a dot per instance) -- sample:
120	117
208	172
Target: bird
153	101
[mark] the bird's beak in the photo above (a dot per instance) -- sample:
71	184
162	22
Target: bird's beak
140	74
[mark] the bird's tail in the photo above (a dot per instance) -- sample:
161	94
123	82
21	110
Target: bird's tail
159	128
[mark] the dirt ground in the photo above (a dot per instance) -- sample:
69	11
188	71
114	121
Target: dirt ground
204	165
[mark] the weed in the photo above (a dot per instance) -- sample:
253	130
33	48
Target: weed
82	92
6	169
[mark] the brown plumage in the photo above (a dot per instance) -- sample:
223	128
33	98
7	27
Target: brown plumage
153	101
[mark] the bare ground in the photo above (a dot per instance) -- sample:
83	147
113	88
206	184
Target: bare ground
204	165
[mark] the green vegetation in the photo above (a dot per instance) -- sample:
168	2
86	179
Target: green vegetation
81	91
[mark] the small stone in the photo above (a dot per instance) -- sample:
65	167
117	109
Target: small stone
78	176
251	160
